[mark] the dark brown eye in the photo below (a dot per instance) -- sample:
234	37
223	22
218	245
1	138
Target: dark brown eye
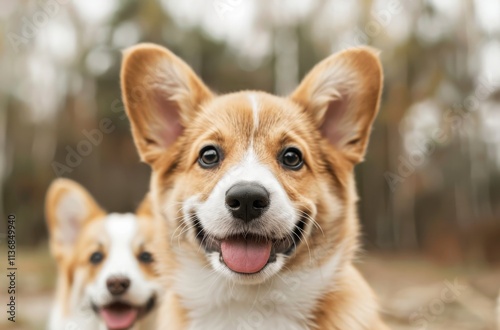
291	158
209	157
145	257
96	258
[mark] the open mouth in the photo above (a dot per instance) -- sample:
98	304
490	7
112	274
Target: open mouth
249	253
120	315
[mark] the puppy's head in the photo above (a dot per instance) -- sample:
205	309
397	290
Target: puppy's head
257	183
105	260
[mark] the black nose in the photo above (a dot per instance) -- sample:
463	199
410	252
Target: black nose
247	200
117	285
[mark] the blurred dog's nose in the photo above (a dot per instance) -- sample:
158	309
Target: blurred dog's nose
247	200
117	285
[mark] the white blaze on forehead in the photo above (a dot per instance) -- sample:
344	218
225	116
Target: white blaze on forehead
250	169
255	110
121	229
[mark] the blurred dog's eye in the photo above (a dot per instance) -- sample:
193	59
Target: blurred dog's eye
209	157
145	257
96	257
291	158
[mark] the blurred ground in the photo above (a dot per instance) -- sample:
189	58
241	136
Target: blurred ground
415	293
419	294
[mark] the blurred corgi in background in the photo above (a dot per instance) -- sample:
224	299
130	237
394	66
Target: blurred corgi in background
258	192
106	274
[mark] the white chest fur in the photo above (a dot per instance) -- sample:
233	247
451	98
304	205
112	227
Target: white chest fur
286	301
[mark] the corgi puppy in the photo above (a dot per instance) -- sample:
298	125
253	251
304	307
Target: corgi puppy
106	276
257	191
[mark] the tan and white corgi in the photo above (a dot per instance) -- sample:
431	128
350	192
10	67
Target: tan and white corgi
106	275
258	192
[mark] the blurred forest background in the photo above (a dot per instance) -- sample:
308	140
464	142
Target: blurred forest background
430	185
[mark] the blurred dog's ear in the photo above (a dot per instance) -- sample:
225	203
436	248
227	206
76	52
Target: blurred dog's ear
68	206
342	94
161	95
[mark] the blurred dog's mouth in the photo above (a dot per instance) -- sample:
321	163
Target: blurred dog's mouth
248	253
121	315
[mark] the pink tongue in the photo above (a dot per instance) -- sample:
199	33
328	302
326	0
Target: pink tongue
119	319
245	256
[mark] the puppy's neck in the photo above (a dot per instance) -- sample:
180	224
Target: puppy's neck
287	301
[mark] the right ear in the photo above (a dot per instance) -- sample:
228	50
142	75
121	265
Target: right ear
68	206
161	95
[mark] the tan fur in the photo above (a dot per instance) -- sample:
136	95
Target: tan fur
56	191
325	185
64	254
91	237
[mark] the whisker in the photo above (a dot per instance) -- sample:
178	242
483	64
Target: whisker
309	217
303	239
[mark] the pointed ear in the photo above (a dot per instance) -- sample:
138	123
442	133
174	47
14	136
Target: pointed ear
342	94
161	94
68	207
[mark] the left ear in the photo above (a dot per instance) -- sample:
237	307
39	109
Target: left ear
342	94
162	95
68	208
